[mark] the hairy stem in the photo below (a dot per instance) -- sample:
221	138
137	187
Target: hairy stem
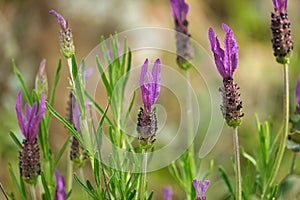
286	124
143	190
32	191
237	164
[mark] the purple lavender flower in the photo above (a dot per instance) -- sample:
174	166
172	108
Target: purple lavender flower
30	155
147	121
67	47
298	96
184	48
281	32
60	191
226	61
167	192
203	185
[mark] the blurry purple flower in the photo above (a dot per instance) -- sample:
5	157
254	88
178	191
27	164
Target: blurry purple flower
150	90
280	5
30	122
203	185
298	91
60	191
41	82
226	60
167	192
62	22
111	56
179	10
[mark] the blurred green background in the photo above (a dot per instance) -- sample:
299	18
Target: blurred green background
29	33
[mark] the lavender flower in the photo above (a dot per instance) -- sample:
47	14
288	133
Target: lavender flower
60	191
67	47
41	82
147	121
30	155
167	192
226	61
184	48
203	185
298	96
281	32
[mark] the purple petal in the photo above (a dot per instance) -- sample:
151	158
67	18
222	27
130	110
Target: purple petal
20	115
156	78
298	91
76	115
196	183
204	185
167	193
62	22
39	116
144	72
231	51
88	73
30	135
60	191
42	67
280	5
179	10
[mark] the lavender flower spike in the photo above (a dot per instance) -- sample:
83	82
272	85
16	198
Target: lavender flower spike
167	192
60	191
67	47
29	126
203	185
226	59
150	90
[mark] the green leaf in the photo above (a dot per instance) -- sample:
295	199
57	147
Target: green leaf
150	195
15	139
97	171
129	108
62	150
103	77
226	180
85	188
65	123
173	170
22	83
45	186
15	181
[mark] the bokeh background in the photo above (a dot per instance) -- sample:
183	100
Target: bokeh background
29	33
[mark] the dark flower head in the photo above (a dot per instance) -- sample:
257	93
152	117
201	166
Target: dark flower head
60	191
151	88
280	5
67	47
62	22
226	59
30	122
203	186
179	10
167	191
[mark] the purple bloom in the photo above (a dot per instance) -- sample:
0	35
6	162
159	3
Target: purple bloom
298	91
203	185
30	123
280	5
226	59
167	193
62	22
60	191
179	10
150	90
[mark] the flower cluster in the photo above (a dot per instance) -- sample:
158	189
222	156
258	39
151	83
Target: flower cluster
203	186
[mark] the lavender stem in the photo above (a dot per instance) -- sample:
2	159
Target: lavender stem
237	164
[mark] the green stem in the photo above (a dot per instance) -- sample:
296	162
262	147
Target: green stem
69	174
32	191
3	191
293	163
144	177
286	126
237	164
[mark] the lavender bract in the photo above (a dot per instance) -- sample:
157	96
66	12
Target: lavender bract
184	48
203	186
226	61
281	32
41	82
67	47
60	190
30	153
147	121
167	193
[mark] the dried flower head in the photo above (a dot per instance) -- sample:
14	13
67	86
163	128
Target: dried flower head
60	190
226	61
67	47
147	121
203	186
281	32
183	43
30	154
